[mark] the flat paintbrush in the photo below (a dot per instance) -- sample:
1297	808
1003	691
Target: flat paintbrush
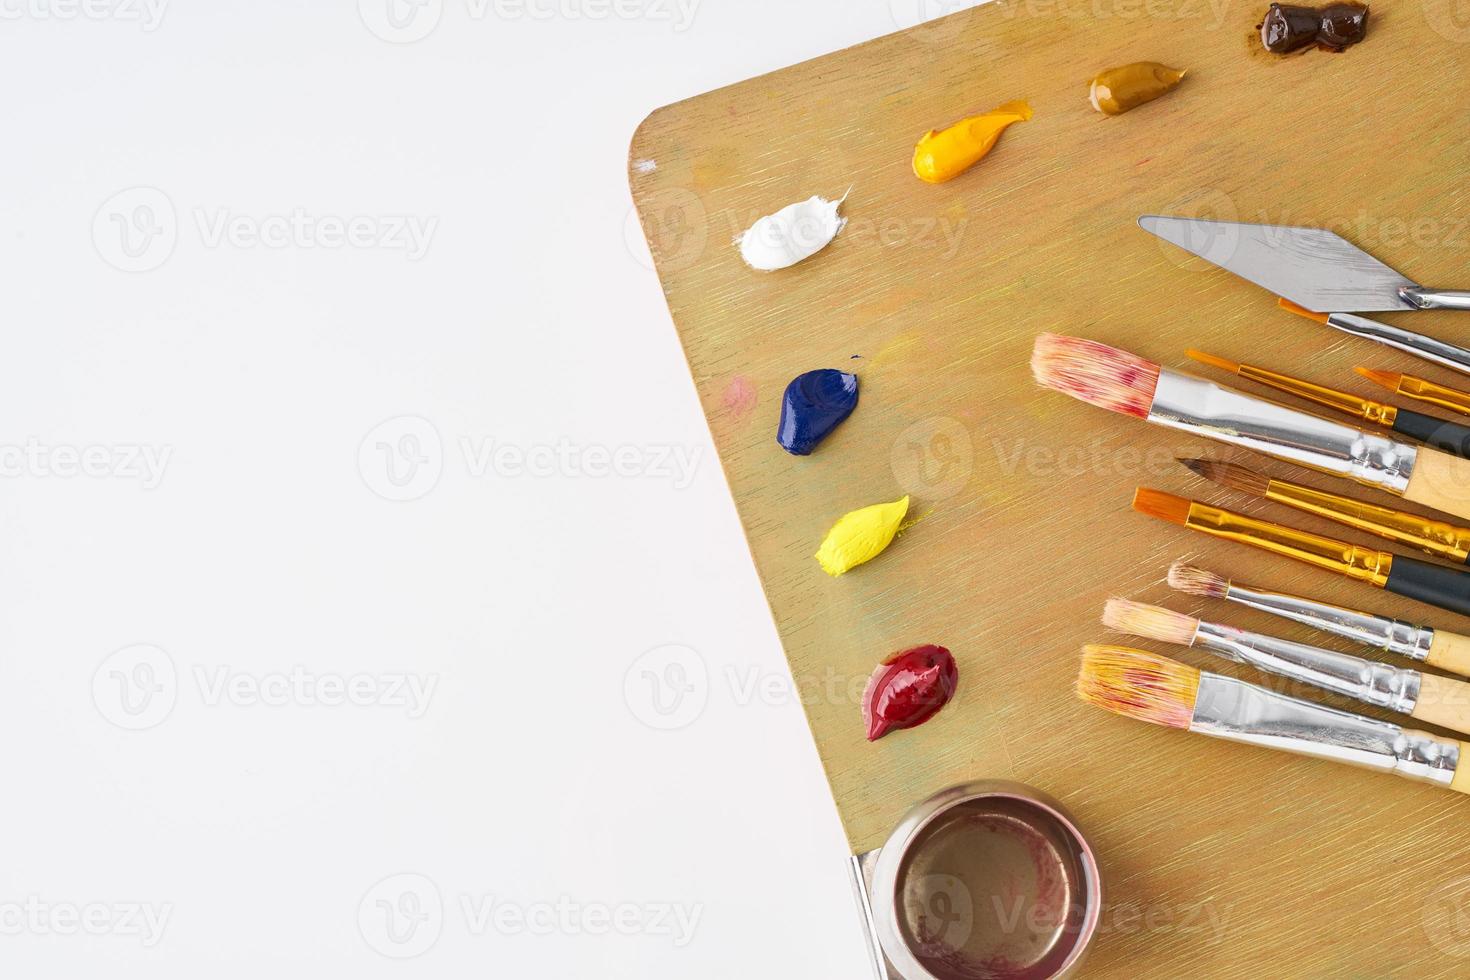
1438	538
1436	647
1424	697
1449	436
1448	588
1419	389
1125	383
1165	692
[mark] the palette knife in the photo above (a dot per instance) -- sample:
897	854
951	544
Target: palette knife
1312	267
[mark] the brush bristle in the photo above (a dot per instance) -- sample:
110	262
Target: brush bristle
1164	506
1095	373
1231	475
1194	580
1388	379
1149	622
1299	310
1232	366
1138	685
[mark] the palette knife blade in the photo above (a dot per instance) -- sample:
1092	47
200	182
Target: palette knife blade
1312	267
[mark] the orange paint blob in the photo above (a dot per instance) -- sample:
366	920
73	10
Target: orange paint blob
944	154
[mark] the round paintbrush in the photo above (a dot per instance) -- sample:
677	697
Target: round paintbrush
1425	697
1438	538
1449	436
1436	647
1447	588
1419	389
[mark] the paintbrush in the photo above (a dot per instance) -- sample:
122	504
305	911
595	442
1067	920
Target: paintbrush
1419	389
1447	588
1449	436
1125	383
1438	648
1420	345
1165	692
1438	538
1424	697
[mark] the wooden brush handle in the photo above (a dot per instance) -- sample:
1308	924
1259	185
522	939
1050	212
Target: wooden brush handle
1441	481
1443	701
1451	652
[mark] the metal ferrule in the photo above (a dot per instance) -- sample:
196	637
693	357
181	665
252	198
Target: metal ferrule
1448	355
1231	709
1395	688
1435	299
1354	561
1379	632
1435	394
1192	404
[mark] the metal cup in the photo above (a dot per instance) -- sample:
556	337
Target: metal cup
988	879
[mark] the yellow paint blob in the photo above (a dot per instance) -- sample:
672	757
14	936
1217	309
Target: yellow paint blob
860	536
947	153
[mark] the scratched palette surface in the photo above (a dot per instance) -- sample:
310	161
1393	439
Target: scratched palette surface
1220	860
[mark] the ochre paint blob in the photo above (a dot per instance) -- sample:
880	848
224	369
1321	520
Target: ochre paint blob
1117	90
943	154
908	689
860	536
815	403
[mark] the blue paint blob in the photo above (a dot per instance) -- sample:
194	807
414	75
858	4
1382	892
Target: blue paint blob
815	403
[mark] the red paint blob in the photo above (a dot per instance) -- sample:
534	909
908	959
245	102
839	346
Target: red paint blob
908	689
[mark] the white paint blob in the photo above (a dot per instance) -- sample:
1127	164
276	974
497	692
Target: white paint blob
793	233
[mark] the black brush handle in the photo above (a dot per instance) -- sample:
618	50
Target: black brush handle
1447	588
1450	437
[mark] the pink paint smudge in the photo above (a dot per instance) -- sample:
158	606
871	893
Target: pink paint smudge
739	397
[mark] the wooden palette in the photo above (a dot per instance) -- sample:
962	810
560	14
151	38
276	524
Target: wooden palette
1220	860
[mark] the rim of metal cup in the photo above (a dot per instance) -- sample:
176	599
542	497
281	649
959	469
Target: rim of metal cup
885	901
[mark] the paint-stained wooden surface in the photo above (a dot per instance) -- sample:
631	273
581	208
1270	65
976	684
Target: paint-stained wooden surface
1221	860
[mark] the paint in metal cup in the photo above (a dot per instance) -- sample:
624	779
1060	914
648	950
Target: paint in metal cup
986	881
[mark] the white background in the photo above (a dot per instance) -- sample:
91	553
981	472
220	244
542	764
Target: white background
252	469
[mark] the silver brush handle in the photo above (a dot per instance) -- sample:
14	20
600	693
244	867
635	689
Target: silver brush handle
1448	355
1378	632
1394	688
1435	299
1231	709
1182	401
